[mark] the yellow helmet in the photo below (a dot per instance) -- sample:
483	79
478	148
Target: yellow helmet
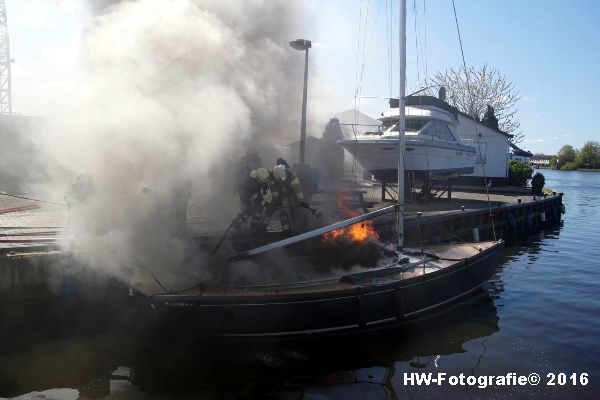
260	174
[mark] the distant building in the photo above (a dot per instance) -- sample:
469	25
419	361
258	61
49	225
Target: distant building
341	125
541	160
516	153
355	122
312	149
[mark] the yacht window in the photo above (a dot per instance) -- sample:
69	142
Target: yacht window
439	130
386	125
415	124
412	124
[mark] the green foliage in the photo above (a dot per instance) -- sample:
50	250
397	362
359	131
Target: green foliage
589	156
547	190
566	154
570	159
570	166
537	183
518	173
553	164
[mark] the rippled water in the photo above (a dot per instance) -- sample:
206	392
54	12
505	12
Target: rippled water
539	314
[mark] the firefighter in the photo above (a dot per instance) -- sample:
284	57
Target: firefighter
255	194
288	187
264	192
78	192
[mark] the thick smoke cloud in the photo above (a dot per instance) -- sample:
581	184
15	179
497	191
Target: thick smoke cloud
171	91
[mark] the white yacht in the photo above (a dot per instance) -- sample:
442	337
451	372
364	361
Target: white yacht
432	147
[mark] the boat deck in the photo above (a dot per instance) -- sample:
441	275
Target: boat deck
444	256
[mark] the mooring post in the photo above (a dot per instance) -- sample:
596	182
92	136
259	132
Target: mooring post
475	232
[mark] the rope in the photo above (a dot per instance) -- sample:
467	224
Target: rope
442	229
367	50
416	41
354	157
451	234
198	285
32	199
357	54
389	32
425	39
32	227
487	191
167	291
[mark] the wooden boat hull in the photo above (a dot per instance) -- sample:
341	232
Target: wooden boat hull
370	303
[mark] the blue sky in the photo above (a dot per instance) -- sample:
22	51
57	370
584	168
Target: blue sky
550	49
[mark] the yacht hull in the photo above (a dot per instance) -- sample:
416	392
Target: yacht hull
425	158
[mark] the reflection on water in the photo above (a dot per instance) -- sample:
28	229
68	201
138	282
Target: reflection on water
539	314
183	364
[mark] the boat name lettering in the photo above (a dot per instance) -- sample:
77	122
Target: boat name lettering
178	304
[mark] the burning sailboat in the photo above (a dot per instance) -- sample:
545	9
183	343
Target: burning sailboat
398	286
402	288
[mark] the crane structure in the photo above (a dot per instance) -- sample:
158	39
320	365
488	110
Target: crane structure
5	61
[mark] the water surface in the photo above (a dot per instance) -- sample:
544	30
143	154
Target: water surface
540	313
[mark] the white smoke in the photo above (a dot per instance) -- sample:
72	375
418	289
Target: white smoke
171	91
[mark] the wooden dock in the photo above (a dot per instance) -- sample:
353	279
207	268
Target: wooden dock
495	213
29	226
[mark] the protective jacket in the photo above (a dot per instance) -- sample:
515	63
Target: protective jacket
290	189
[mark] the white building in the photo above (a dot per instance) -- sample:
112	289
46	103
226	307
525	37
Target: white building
516	153
541	160
490	144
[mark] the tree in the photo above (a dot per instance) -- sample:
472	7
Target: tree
589	155
566	154
489	118
518	173
485	87
537	183
569	166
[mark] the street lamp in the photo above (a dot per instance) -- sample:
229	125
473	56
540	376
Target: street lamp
303	44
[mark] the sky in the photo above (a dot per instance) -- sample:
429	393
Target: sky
550	49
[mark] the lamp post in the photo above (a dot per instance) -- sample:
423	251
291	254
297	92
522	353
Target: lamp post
303	44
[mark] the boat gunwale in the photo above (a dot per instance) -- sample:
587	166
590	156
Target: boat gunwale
291	296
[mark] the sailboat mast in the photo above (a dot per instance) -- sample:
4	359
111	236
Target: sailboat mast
401	123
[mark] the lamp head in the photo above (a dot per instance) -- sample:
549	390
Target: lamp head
301	44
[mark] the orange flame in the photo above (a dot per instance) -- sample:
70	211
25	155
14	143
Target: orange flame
358	232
